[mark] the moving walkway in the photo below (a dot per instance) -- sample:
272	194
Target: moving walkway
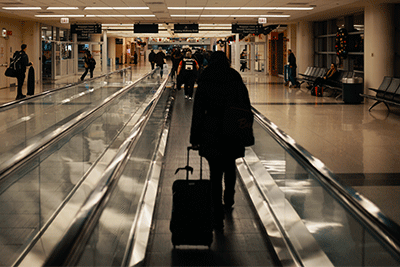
112	209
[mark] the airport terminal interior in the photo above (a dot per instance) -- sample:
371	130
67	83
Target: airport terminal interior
87	166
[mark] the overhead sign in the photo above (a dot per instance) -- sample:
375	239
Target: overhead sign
186	28
85	28
145	28
247	28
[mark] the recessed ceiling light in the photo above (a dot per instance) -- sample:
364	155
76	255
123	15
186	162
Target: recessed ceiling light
22	8
62	8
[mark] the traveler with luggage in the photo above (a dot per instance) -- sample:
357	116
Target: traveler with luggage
187	74
293	69
221	93
18	65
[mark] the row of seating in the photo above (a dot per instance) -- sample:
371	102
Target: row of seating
388	92
312	73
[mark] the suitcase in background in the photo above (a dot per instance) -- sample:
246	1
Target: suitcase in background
191	219
31	81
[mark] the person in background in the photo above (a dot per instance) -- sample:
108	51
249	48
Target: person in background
331	75
187	74
219	88
24	61
160	60
89	65
243	61
293	69
135	57
176	59
152	55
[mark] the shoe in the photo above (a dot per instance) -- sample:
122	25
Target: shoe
20	97
186	97
190	98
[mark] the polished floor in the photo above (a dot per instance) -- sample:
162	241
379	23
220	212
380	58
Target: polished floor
360	147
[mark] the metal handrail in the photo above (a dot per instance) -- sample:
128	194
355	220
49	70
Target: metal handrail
68	251
14	102
370	215
33	150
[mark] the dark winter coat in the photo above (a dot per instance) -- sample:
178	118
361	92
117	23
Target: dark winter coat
216	89
24	60
292	61
159	58
152	55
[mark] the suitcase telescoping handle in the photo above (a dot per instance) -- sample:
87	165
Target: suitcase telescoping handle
188	168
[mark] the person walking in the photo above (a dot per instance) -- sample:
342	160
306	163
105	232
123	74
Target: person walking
293	69
90	64
160	60
243	61
135	57
176	59
187	74
219	88
152	56
21	70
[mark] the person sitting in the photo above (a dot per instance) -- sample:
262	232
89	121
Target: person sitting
330	76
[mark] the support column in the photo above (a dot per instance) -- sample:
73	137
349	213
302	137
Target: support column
111	51
378	44
75	51
237	52
304	46
104	53
96	50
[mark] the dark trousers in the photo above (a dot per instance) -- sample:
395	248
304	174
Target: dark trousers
152	65
222	168
86	72
188	79
292	75
20	79
161	69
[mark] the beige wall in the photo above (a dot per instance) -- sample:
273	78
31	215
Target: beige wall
27	32
379	44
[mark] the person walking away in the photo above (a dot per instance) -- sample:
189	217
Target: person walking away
219	88
152	56
243	61
160	60
176	59
22	63
135	56
293	69
187	74
90	64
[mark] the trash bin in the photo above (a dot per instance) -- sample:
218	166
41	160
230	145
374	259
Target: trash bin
352	88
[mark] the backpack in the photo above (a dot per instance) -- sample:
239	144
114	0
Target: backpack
92	62
15	65
188	65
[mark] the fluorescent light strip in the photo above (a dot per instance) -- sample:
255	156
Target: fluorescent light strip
22	8
114	8
62	8
116	25
117	16
277	8
60	16
242	8
233	16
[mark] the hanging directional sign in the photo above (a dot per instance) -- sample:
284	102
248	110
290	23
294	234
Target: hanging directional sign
186	28
145	28
85	28
247	28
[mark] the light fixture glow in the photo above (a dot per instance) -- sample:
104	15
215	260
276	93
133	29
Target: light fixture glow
223	8
62	8
114	8
60	16
193	8
22	8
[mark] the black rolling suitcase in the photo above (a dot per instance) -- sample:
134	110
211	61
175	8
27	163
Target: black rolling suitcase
31	81
191	222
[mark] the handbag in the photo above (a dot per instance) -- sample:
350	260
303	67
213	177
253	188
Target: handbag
238	126
10	72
